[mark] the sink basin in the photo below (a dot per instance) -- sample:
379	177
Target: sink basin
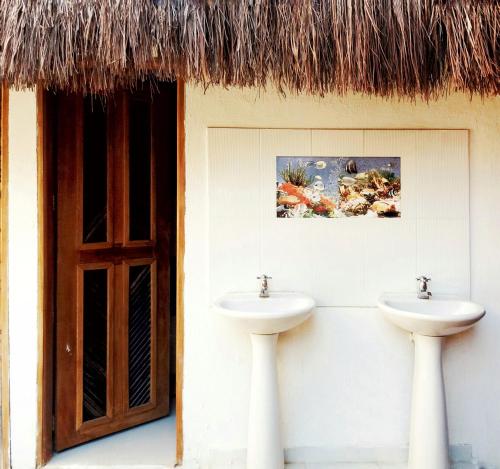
279	312
438	316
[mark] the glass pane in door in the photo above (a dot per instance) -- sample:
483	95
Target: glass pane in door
139	169
95	172
95	343
139	335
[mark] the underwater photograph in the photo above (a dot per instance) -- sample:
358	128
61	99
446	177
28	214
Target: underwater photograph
335	187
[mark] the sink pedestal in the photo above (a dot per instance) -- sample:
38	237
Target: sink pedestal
429	321
264	319
429	429
265	447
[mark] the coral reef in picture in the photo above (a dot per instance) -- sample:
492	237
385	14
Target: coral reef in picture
335	187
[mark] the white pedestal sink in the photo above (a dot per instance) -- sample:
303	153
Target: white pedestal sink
264	319
429	321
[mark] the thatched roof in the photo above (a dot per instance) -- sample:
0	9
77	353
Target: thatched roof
383	47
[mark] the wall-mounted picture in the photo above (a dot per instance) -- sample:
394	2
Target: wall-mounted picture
335	187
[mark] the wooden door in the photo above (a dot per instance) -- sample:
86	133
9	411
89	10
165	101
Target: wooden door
113	236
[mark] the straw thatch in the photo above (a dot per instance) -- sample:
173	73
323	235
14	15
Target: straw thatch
382	47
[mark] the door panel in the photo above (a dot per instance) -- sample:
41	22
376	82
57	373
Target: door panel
141	286
112	267
140	206
94	175
95	289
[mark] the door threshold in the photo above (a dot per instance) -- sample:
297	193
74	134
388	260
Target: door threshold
149	446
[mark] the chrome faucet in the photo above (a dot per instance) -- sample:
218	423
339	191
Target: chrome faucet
264	293
422	292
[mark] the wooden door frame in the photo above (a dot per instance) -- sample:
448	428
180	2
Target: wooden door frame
4	301
46	322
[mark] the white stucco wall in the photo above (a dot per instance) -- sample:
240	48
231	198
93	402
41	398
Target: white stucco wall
23	277
345	375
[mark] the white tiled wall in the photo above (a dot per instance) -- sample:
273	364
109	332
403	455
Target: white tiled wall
235	210
341	262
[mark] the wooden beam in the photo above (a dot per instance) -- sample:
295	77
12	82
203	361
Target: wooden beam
4	300
181	208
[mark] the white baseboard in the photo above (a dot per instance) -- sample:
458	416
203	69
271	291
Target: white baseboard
341	458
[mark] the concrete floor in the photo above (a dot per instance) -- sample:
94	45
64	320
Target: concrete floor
151	446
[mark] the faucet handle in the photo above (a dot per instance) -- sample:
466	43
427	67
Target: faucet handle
424	278
263	277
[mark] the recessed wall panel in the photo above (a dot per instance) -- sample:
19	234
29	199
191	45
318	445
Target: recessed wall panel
346	261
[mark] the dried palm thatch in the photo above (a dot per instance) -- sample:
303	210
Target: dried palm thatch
381	47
